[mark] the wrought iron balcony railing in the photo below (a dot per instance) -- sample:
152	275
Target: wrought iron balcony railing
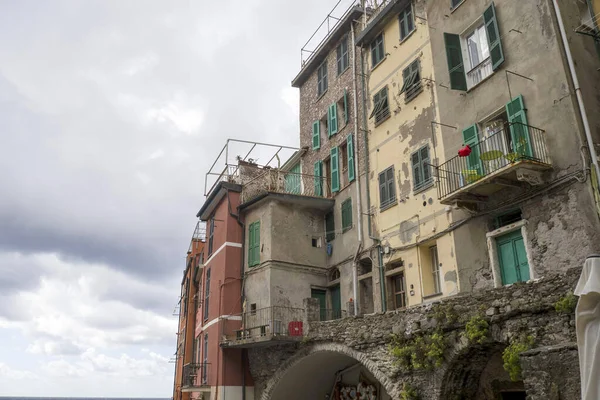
510	145
268	322
195	375
267	180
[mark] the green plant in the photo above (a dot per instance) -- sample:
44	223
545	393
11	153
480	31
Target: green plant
408	392
476	330
445	313
511	356
566	304
422	352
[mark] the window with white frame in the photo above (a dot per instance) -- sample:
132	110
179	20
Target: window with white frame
435	269
478	60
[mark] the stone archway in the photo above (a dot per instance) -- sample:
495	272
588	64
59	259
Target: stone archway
477	373
311	372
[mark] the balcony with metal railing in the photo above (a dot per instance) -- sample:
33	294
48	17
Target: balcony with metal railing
513	156
261	181
263	327
195	377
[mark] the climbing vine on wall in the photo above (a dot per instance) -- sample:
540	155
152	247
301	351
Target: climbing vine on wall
511	356
422	352
566	304
476	330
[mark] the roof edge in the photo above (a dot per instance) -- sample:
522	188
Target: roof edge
216	194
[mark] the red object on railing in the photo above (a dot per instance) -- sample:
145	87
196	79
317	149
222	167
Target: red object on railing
465	151
295	328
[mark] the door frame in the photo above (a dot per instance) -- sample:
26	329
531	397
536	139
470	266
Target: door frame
493	250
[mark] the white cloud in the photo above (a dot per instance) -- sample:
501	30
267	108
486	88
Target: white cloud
14	374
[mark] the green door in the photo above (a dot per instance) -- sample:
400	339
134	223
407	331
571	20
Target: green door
320	295
512	258
292	180
336	302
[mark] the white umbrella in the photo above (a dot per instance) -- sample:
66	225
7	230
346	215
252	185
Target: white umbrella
587	321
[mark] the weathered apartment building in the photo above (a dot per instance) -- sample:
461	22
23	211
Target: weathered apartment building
446	148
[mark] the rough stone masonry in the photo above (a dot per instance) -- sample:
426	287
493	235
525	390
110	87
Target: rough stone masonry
468	370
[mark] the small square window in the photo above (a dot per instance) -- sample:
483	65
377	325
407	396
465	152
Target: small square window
317	242
253	309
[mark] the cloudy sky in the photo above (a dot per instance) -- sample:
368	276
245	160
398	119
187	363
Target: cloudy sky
110	114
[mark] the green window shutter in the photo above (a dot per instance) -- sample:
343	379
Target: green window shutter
346	116
335	172
519	130
251	245
458	80
316	135
474	166
329	227
350	148
347	214
333	124
257	242
318	180
417	170
493	36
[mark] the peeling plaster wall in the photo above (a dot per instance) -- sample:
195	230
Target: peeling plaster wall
417	217
562	227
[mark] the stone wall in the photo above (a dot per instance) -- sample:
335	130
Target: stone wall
512	312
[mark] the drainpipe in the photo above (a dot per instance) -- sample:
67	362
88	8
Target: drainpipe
586	124
366	144
356	176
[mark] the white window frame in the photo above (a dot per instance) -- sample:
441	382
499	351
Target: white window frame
485	64
436	270
493	250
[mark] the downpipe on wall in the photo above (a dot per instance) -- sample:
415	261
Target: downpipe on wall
357	177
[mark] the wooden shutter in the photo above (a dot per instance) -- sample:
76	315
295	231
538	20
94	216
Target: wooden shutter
256	243
425	167
519	131
329	227
493	36
316	135
251	245
458	80
471	137
383	194
318	180
333	125
391	187
346	116
350	148
335	173
417	171
347	214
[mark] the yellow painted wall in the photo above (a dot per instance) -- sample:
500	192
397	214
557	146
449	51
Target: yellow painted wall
418	216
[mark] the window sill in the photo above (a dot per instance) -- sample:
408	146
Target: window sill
388	206
378	64
423	188
344	230
430	296
320	96
409	35
456	6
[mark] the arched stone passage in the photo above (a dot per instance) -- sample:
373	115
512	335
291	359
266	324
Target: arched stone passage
311	373
477	373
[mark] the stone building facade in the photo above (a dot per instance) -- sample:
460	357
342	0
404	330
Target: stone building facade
329	83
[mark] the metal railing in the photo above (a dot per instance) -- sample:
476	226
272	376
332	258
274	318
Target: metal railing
330	314
510	143
263	322
267	180
195	375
